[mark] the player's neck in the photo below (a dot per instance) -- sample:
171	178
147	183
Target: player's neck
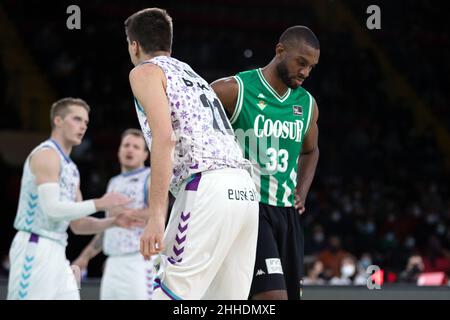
65	146
270	74
125	169
147	56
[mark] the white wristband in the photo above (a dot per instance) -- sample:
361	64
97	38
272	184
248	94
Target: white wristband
48	199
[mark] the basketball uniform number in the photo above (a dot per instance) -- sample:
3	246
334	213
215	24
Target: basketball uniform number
278	160
223	118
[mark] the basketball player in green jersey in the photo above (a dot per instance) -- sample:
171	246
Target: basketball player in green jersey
275	122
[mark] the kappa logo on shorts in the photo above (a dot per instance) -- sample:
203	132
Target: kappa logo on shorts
274	266
260	272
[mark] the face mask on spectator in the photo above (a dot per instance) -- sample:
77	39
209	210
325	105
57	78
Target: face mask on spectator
336	216
416	270
440	229
410	242
347	270
365	263
432	218
416	211
370	227
319	237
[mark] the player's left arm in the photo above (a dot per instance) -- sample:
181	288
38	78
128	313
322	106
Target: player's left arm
148	83
92	225
307	162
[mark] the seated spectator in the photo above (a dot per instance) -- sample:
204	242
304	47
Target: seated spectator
436	258
314	274
348	272
332	257
413	269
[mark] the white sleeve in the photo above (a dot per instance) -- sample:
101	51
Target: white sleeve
48	199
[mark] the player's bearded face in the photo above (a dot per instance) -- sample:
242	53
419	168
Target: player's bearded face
283	73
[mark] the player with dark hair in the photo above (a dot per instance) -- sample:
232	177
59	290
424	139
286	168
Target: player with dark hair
209	247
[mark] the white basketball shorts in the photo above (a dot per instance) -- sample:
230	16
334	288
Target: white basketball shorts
40	270
127	277
210	241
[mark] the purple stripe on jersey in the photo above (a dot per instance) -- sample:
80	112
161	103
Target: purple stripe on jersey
34	238
193	184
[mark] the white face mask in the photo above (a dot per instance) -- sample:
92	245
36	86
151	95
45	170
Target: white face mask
365	263
347	270
370	227
432	218
410	242
440	229
319	237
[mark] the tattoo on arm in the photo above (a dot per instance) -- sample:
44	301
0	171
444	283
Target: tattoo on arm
98	243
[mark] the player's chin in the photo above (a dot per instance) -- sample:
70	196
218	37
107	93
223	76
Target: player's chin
77	141
295	83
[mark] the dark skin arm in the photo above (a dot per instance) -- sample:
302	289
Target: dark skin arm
307	163
227	90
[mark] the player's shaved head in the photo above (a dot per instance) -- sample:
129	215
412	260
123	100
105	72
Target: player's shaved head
297	35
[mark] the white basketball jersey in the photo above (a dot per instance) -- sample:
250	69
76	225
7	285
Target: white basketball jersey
30	217
133	184
204	137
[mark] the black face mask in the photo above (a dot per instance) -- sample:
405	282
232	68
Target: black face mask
334	249
416	270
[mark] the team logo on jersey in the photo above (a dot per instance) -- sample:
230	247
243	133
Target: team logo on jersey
261	96
298	110
262	105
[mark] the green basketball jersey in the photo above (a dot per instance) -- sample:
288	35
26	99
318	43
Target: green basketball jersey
270	130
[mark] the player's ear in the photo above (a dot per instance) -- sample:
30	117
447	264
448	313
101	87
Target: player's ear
134	47
279	49
146	155
57	121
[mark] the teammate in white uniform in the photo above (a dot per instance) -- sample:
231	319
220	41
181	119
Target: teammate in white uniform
127	276
50	200
208	251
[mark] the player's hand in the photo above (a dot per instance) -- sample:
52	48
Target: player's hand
127	219
82	262
299	204
152	237
111	200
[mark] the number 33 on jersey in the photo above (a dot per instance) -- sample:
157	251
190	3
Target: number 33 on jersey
270	129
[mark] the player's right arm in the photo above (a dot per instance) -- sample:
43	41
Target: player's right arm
148	83
227	90
46	165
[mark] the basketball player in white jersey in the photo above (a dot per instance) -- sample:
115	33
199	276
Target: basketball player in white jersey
208	249
127	276
50	201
